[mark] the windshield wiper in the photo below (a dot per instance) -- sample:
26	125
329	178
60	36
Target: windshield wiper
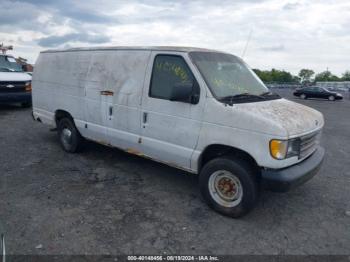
240	96
269	94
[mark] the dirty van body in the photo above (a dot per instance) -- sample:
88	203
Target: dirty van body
199	110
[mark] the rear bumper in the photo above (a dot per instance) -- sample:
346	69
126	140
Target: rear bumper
282	180
18	97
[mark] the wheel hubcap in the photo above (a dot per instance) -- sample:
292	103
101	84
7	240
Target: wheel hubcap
225	188
66	137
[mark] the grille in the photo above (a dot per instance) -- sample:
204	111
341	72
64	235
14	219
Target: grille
308	144
17	87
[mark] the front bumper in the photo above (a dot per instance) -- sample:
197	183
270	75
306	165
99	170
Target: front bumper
16	97
282	180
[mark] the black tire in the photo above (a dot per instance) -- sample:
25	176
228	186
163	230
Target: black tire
331	98
71	143
247	176
26	104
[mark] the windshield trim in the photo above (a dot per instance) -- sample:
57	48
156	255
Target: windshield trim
220	99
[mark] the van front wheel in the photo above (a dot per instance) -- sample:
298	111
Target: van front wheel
229	186
69	136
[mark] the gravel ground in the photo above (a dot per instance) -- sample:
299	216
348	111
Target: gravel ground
104	201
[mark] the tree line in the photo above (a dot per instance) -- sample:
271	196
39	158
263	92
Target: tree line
304	76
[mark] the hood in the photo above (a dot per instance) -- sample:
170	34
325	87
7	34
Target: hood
295	118
280	117
15	76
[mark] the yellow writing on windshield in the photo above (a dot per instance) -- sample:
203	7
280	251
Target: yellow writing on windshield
222	83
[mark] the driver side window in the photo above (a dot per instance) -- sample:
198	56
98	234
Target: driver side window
168	71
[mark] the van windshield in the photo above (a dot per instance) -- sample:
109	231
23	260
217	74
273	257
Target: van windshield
228	77
9	64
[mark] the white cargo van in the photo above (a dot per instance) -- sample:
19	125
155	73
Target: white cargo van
199	110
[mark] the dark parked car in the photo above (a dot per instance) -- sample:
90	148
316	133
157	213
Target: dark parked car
317	92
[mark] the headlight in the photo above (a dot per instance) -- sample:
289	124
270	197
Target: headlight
281	149
28	86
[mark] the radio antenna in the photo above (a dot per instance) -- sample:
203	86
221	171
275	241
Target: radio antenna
246	45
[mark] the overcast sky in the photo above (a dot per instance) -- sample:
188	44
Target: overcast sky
285	34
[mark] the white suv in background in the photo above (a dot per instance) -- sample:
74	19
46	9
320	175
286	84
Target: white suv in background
15	84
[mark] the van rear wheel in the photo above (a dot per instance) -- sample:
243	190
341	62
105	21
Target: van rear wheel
229	186
70	139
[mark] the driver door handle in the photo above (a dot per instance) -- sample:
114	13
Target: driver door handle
107	93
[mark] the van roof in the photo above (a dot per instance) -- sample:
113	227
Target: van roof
153	48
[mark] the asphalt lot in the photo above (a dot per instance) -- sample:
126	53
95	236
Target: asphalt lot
104	201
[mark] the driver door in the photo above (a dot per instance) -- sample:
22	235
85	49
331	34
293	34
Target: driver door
169	129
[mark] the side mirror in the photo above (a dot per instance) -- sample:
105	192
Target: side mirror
183	92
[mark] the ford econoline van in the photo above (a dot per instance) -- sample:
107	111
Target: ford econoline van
199	110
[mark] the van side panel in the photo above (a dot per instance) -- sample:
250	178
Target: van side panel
73	81
122	73
126	120
58	83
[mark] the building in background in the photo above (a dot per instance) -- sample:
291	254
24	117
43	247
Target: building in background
25	66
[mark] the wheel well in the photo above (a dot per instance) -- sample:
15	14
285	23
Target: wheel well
59	114
214	151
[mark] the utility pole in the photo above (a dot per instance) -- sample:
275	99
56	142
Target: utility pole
4	48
